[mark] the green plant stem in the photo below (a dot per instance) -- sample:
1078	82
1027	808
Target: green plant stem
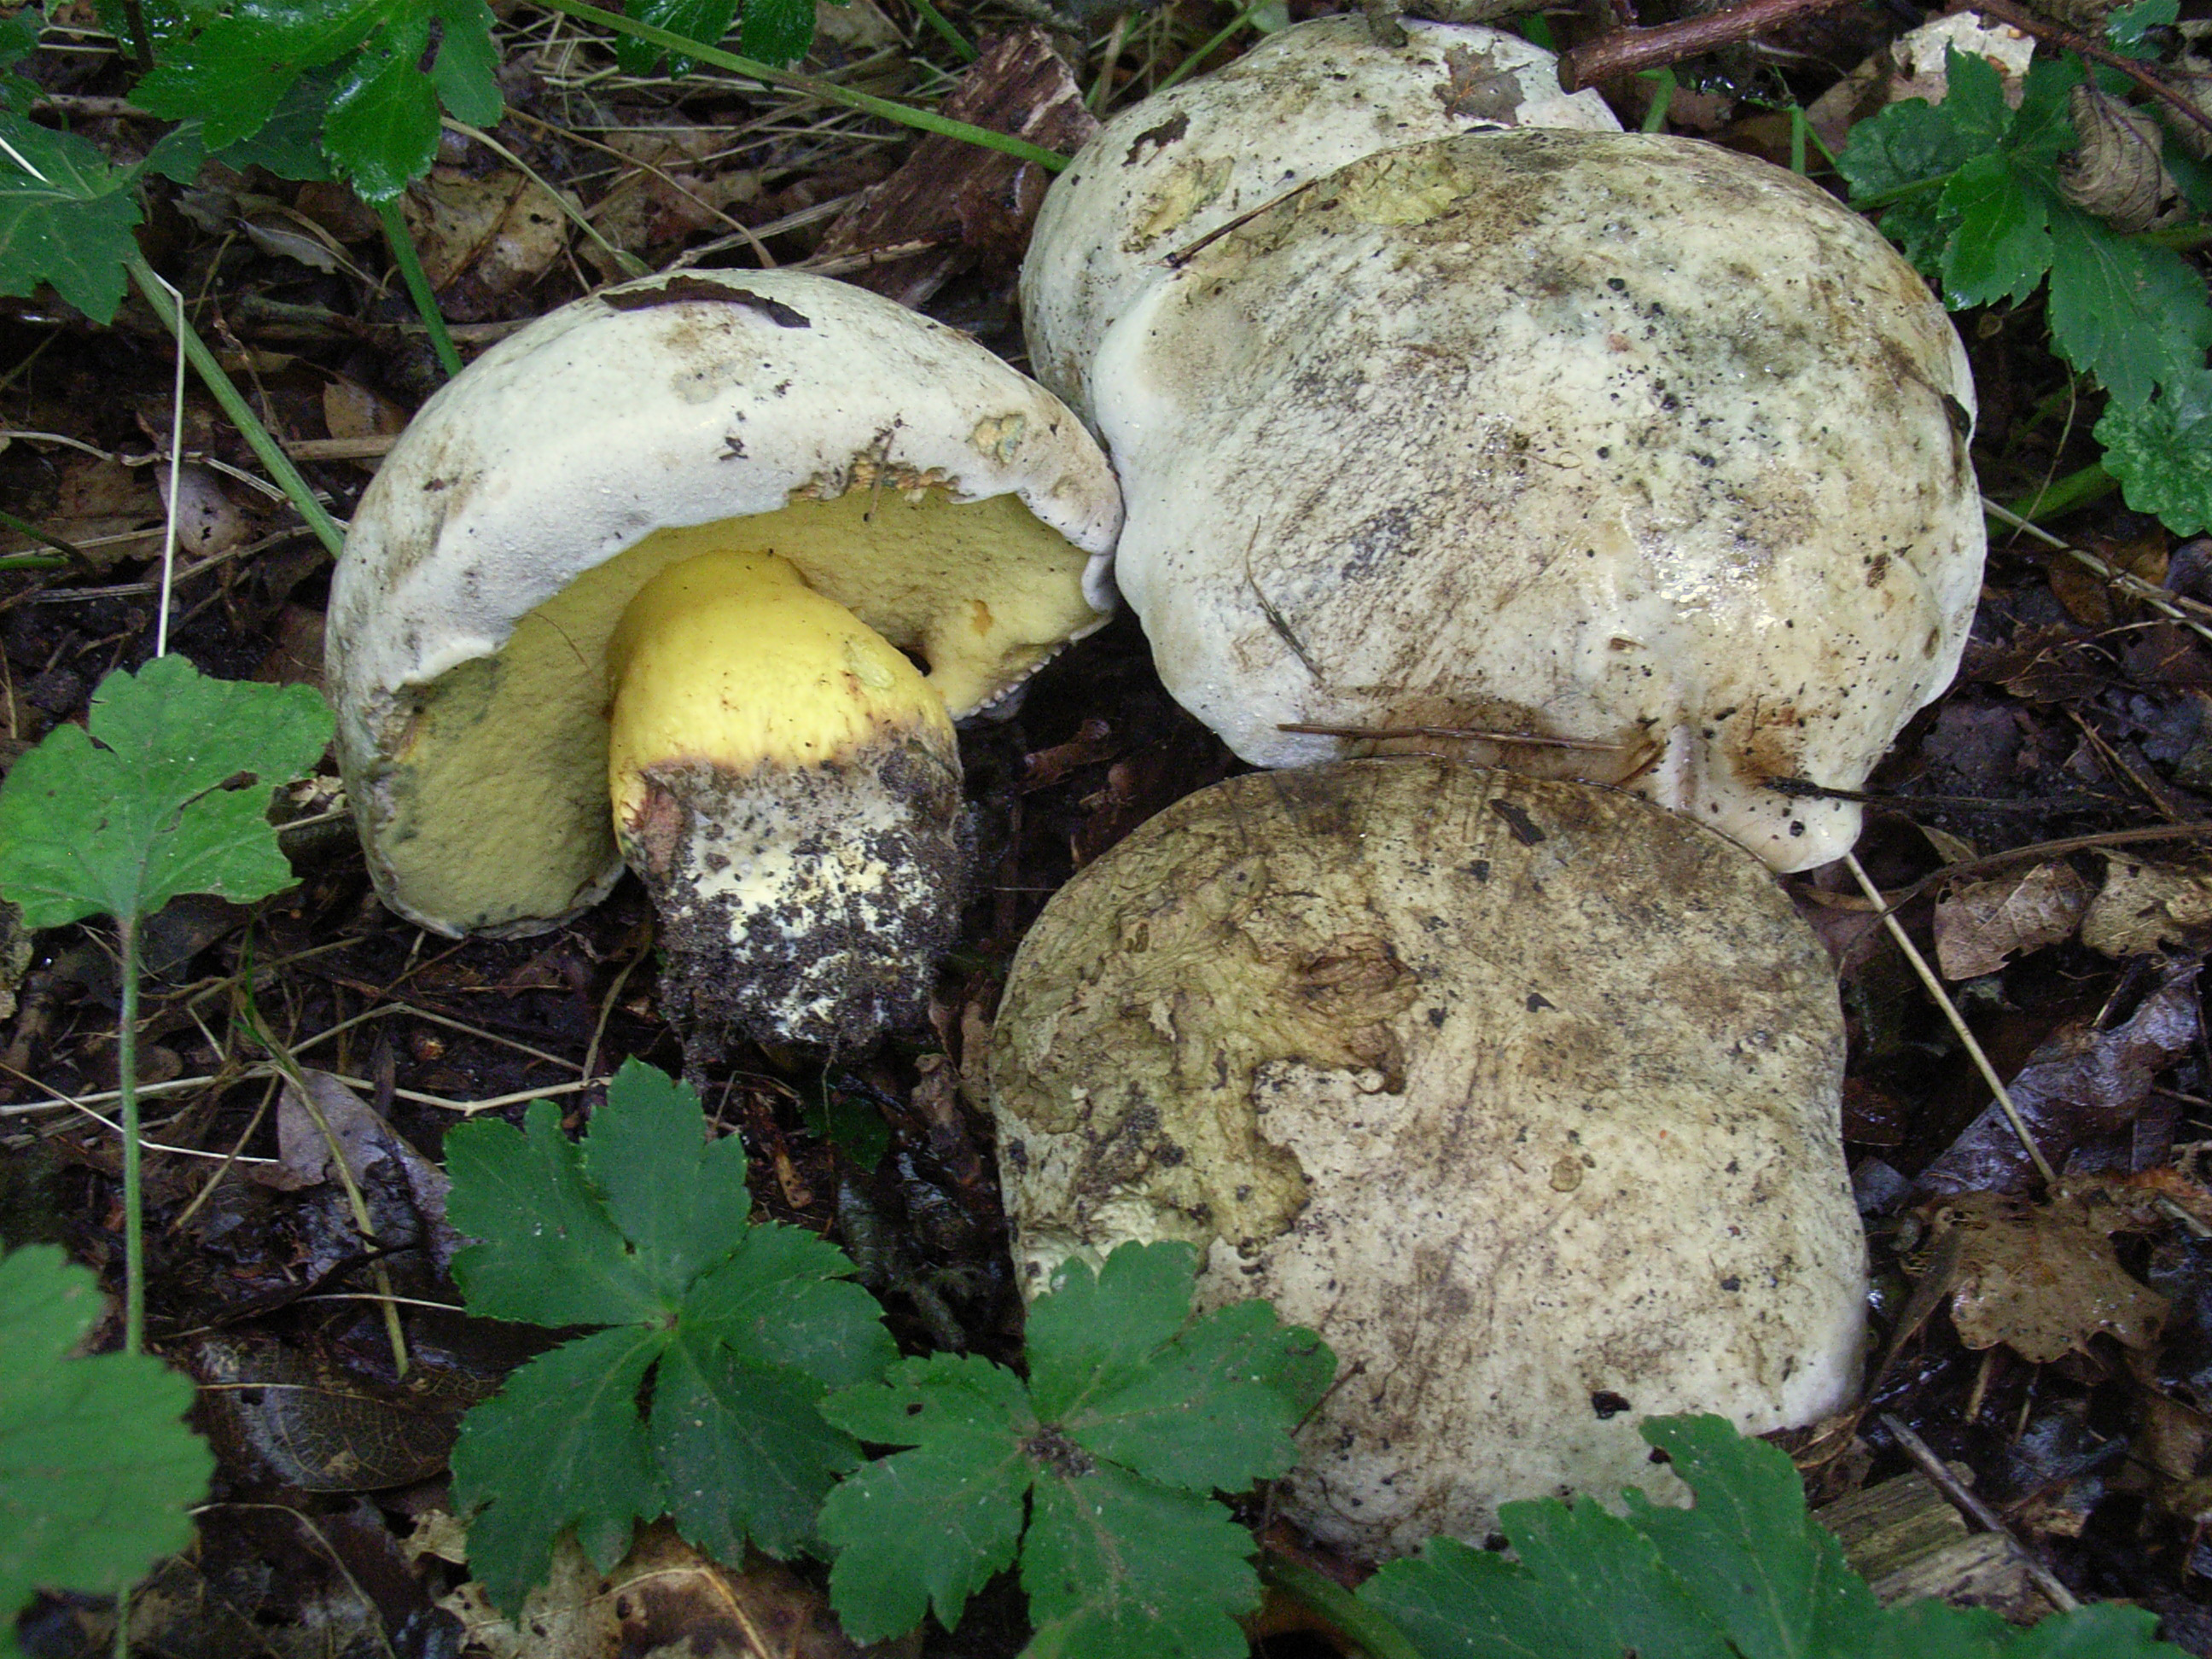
1189	66
812	86
402	244
952	37
2061	496
126	1095
1351	1616
25	527
233	405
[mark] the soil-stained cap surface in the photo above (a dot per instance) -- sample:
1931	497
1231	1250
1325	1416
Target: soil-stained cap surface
1524	1093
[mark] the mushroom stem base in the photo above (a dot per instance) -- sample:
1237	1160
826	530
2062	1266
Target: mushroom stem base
804	905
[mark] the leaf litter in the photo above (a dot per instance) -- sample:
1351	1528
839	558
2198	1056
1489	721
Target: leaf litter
735	176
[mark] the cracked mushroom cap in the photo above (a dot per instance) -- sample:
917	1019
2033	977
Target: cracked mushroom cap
1304	101
956	508
1525	1094
1598	438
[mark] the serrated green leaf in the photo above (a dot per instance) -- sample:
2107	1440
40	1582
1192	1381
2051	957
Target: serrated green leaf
561	1446
2003	244
1588	1586
1760	1566
704	20
678	1197
97	1469
2130	312
2043	126
547	1252
773	1303
1210	1411
2126	27
1091	1331
232	74
777	31
1118	1568
919	1399
2163	467
466	72
66	217
168	792
744	1449
924	1530
2104	1631
1906	144
19	39
382	127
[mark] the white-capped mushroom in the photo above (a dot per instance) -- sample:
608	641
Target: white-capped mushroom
719	512
1622	440
1524	1094
1182	163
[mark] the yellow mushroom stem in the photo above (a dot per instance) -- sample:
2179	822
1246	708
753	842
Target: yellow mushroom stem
787	786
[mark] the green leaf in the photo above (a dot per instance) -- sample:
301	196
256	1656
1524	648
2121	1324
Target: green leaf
1211	1410
1118	1568
379	120
1090	1332
1744	1574
923	1531
1133	1411
1908	144
66	217
1588	1586
561	1446
1772	1577
382	127
547	1252
777	31
704	20
745	1453
168	793
2126	27
2130	312
725	1335
677	1196
97	1469
19	39
2163	461
2003	244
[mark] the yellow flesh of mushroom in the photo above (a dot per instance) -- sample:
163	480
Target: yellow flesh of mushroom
787	784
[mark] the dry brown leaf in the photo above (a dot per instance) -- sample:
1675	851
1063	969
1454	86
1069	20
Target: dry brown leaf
500	233
1982	925
268	1406
665	1598
2039	1278
2146	908
2117	172
352	410
208	521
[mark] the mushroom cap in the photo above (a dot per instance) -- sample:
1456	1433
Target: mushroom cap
1524	1094
773	410
1596	436
1186	161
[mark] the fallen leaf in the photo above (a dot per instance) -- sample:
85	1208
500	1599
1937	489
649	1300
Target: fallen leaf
1982	925
2038	1277
2147	907
2079	1084
208	521
484	239
268	1406
304	1154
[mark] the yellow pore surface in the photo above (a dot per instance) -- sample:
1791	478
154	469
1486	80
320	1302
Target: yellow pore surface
730	661
498	792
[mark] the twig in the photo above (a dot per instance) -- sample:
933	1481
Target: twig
1963	1496
2043	29
1951	1013
1626	50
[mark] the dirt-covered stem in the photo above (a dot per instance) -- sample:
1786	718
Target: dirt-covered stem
233	405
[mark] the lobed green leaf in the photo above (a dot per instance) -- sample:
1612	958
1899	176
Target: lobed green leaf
2163	459
1092	1332
98	1471
164	791
561	1446
66	215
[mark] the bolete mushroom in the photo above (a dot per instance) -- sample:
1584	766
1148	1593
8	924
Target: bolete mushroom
717	516
1524	1093
1184	162
1622	442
